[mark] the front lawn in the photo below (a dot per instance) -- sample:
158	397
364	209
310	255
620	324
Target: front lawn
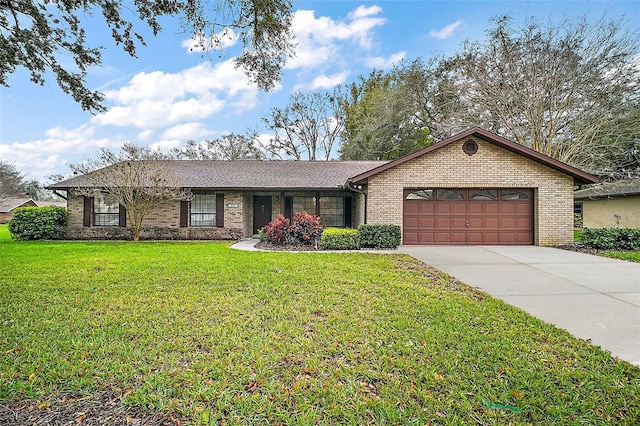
207	334
632	256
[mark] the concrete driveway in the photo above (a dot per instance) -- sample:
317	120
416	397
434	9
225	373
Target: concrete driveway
592	297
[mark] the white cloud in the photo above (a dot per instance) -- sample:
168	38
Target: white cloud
166	145
156	99
445	32
363	11
381	62
43	157
328	81
317	38
145	135
218	41
186	131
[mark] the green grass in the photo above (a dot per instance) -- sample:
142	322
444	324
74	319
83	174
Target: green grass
632	256
212	333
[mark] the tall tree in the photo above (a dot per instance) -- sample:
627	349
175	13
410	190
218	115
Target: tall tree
11	181
308	128
229	147
389	114
136	177
558	88
36	34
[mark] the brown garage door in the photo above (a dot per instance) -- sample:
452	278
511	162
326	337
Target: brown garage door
468	216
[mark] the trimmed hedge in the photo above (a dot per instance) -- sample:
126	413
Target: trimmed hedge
379	236
611	238
38	223
340	239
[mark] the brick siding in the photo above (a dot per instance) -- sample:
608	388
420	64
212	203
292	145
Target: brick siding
490	167
162	222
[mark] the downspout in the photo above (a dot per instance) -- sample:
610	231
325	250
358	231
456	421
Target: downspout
349	186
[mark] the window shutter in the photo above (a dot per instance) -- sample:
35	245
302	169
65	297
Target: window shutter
184	214
88	206
348	219
220	210
122	213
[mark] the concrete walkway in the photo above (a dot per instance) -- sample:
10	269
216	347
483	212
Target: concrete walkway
592	297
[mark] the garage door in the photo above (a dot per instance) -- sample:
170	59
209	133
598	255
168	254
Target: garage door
468	216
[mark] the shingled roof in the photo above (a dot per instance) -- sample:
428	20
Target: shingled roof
10	204
620	188
250	174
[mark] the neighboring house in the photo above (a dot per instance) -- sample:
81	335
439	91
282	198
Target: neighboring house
8	205
615	204
473	188
41	203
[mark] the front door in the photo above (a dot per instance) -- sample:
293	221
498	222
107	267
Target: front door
261	212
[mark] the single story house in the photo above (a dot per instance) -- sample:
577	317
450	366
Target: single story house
472	188
610	205
8	205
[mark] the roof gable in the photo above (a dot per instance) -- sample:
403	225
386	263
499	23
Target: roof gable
579	176
10	204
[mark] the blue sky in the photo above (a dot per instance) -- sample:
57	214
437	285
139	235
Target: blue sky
169	95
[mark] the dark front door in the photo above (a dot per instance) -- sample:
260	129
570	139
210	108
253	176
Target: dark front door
261	212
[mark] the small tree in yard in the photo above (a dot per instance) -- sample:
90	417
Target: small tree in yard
135	177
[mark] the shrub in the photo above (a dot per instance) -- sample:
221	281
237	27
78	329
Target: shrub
379	236
340	239
578	220
305	228
278	231
38	223
611	238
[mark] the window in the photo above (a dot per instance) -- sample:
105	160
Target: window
332	211
515	194
450	194
483	194
106	210
203	210
577	208
423	194
304	204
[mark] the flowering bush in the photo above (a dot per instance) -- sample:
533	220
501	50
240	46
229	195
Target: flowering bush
304	228
278	231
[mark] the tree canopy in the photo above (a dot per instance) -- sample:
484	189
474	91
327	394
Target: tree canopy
387	115
37	34
308	128
570	90
552	87
11	181
229	147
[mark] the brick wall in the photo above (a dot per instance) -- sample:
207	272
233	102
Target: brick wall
162	222
491	166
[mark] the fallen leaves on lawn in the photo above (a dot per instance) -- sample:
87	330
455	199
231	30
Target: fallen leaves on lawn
101	409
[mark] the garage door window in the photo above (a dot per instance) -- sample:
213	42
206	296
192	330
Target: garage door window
515	194
423	194
450	194
483	194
